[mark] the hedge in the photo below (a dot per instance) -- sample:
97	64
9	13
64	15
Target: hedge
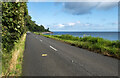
13	23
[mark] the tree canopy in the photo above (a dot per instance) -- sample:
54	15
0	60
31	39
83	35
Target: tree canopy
32	26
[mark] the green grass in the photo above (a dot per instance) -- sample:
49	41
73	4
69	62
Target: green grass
17	64
95	44
38	33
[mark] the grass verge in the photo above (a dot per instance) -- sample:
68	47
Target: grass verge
12	62
94	44
38	33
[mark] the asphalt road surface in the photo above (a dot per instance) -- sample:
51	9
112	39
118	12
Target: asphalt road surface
48	57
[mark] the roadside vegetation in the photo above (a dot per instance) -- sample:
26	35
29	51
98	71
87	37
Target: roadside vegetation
13	30
15	23
95	44
32	26
12	62
38	33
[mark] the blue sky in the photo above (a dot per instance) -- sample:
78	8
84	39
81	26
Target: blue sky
75	16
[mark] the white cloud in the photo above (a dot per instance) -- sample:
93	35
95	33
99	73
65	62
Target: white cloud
87	24
60	25
78	22
113	23
89	0
71	24
37	0
106	5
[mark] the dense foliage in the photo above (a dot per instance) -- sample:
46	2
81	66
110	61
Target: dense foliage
13	28
96	44
32	26
15	22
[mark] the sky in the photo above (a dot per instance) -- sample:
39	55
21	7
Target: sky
75	16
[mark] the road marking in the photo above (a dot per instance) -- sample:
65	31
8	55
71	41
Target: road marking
44	55
40	40
53	48
72	61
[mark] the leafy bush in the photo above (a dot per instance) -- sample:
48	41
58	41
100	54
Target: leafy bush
13	25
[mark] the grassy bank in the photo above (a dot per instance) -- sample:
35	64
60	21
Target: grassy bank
38	33
12	62
95	44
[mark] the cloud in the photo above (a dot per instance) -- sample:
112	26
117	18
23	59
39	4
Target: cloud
83	26
80	8
65	25
113	23
37	0
87	24
106	5
71	24
78	22
60	25
72	1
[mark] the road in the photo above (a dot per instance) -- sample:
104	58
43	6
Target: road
48	57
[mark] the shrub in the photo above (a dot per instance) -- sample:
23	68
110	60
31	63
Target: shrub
13	25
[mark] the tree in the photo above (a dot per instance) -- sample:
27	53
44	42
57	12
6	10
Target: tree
47	29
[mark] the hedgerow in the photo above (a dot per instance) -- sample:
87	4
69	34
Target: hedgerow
13	23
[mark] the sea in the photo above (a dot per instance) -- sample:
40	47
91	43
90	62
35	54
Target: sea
113	36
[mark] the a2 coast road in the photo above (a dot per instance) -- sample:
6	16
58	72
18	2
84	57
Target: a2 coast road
48	57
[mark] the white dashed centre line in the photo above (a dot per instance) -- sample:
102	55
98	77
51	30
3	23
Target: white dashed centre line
53	48
40	40
72	61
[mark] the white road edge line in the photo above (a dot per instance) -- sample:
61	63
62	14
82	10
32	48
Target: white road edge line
53	48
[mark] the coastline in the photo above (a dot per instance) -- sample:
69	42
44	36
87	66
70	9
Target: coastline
113	36
97	45
47	33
